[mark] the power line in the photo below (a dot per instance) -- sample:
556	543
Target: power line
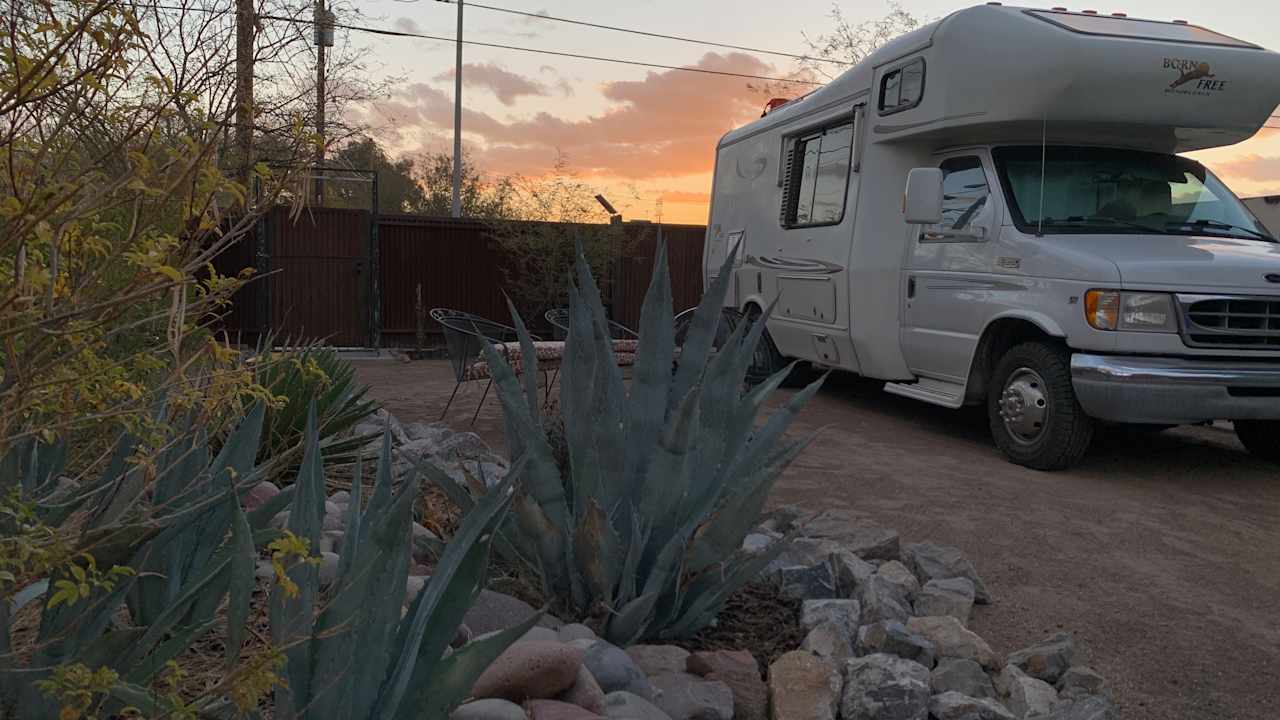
646	33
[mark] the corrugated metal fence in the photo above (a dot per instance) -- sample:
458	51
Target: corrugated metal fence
352	277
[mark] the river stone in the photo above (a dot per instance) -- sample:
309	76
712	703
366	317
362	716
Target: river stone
1046	660
952	596
1093	707
1080	681
893	638
829	640
259	494
738	670
328	568
331	541
557	710
585	692
615	670
413	587
530	671
540	634
655	659
1026	696
333	521
623	705
805	582
489	709
897	575
851	571
954	706
757	542
575	631
495	611
844	612
341	498
884	687
940	562
804	687
951	640
882	600
963	676
685	696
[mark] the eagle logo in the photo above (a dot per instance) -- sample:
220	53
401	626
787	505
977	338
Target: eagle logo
1191	72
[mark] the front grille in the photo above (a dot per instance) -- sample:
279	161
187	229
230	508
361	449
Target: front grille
1225	321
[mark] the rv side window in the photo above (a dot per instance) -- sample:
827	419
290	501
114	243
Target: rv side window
901	89
819	177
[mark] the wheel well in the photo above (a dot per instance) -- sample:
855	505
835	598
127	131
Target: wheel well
995	341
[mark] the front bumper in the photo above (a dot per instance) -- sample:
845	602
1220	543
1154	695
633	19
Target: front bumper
1175	391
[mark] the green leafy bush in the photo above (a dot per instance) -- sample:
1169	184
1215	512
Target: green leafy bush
644	534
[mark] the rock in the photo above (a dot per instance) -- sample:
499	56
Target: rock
804	687
803	551
540	634
259	494
333	522
1026	696
942	562
529	670
1092	707
1046	660
953	597
963	676
461	636
495	611
884	687
893	638
951	640
756	542
954	706
436	431
582	644
585	692
845	612
684	696
341	498
655	659
280	520
851	571
738	670
332	508
490	709
867	541
882	600
784	519
331	541
831	641
413	587
615	670
898	576
623	705
575	631
328	568
556	710
264	570
377	423
420	532
804	582
1080	681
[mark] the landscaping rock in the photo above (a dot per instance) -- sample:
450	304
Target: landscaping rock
784	519
803	551
884	687
259	494
628	706
844	612
1046	660
1080	681
954	706
893	638
804	687
378	423
757	542
495	611
805	582
1026	696
332	508
575	631
898	576
530	671
739	671
413	587
951	640
942	562
655	659
333	522
341	498
684	696
280	520
328	568
436	431
1093	707
264	570
490	709
615	670
882	600
963	676
867	541
851	571
331	541
953	597
556	710
585	692
831	641
540	634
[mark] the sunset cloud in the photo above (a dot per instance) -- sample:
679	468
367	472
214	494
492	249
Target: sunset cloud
504	84
1251	167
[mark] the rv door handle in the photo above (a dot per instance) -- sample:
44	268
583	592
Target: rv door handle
911	288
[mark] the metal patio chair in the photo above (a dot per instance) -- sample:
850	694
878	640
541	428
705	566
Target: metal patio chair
625	340
465	336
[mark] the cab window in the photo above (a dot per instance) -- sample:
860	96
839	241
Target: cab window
964	192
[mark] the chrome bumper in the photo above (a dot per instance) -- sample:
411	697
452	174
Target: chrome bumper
1175	391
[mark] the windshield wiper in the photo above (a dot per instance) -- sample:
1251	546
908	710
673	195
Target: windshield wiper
1099	219
1219	225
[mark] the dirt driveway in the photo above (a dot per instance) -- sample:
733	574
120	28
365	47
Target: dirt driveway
1161	552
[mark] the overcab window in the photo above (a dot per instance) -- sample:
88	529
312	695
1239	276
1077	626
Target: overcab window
902	88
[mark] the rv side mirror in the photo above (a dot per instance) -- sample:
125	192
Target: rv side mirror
922	204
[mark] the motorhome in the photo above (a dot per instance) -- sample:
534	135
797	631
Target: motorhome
994	209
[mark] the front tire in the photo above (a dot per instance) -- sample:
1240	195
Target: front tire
1032	409
1260	437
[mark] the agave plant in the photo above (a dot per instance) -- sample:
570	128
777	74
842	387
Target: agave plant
351	655
666	478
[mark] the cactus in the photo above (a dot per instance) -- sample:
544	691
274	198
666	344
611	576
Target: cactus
644	534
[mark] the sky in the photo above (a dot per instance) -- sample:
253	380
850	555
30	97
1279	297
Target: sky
646	137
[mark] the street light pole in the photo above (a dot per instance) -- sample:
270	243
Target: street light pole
457	122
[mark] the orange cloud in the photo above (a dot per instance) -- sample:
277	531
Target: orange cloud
504	84
684	197
1251	167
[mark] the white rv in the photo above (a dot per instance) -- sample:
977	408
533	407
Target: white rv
1052	257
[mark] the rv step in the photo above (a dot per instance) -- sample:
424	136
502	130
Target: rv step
936	392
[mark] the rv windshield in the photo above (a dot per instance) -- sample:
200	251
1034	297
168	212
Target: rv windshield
1096	190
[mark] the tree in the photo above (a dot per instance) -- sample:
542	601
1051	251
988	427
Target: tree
852	43
481	198
398	189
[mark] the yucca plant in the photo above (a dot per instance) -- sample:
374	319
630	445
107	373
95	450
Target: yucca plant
349	654
666	478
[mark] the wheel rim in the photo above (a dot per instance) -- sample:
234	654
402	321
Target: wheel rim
1024	405
761	357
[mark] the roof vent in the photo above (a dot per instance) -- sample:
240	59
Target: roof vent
1181	22
1089	12
1058	9
1119	14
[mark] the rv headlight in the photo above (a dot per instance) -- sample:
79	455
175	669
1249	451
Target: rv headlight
1133	311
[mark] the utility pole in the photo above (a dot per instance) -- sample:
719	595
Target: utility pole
245	22
457	120
323	39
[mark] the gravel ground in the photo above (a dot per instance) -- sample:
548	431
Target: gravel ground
1161	551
